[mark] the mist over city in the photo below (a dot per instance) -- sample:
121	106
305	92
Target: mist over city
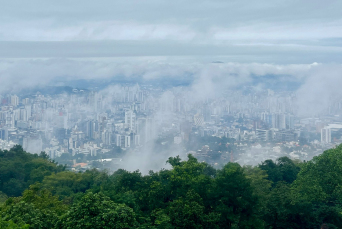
136	114
117	90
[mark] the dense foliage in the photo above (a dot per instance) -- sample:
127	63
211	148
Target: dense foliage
37	193
19	169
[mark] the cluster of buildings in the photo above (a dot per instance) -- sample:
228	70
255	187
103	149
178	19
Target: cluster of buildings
92	123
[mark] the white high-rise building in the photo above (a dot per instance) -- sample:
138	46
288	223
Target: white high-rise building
23	114
124	141
14	100
106	137
264	135
118	140
290	121
127	141
130	119
198	120
326	135
26	101
281	121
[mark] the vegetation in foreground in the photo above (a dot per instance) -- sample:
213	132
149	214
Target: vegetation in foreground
37	193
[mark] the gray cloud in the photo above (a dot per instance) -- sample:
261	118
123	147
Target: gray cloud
22	73
322	87
260	53
282	28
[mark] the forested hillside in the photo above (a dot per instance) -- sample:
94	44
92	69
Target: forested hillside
37	193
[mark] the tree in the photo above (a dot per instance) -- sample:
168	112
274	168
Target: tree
3	197
319	182
11	225
22	213
284	169
232	197
189	212
278	204
19	169
260	184
320	179
97	211
67	184
43	200
37	208
174	161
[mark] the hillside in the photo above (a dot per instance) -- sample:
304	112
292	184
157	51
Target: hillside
38	193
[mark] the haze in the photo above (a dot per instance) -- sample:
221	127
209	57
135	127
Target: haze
226	60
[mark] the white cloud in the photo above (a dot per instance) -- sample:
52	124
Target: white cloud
318	83
203	22
321	88
279	31
21	73
104	30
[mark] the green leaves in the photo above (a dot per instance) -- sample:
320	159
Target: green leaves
19	169
321	179
280	194
37	208
11	225
233	198
97	211
189	212
284	169
23	213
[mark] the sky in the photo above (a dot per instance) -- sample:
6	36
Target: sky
279	31
47	42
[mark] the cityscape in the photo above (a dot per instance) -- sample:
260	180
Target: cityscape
158	114
139	126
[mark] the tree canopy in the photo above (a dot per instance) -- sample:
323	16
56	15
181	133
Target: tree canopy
38	193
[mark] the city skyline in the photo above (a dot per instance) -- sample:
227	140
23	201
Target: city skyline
142	125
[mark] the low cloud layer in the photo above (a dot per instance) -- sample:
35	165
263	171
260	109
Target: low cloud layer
21	73
315	84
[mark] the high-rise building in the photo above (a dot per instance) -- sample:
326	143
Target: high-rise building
26	101
130	120
281	121
4	134
198	119
140	96
123	141
92	127
127	141
118	140
264	135
106	137
285	136
289	121
23	114
14	100
326	135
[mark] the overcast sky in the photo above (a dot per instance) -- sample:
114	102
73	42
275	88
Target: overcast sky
277	31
